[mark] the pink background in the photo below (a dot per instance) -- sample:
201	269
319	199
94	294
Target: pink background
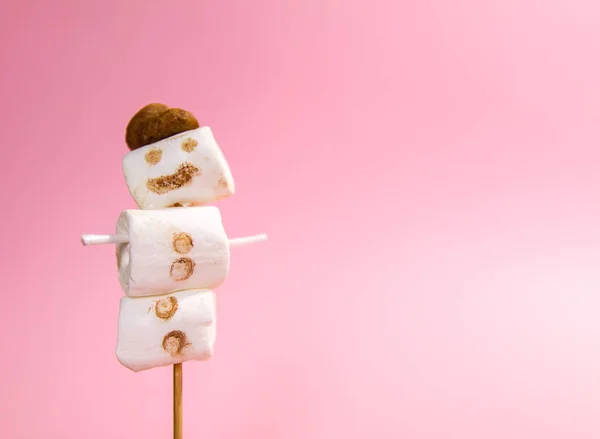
428	174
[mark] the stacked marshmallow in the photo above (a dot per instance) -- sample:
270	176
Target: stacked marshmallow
173	252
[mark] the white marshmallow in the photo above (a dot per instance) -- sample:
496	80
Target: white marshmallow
187	168
171	250
163	330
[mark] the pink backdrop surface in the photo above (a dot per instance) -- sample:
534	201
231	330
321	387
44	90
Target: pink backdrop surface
427	172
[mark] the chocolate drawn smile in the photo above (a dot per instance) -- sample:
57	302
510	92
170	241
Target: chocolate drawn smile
183	176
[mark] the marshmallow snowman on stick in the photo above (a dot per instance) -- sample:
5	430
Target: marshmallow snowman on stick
173	252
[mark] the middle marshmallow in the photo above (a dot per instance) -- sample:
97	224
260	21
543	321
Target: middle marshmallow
171	249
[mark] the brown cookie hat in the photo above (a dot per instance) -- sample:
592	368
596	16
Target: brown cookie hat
156	122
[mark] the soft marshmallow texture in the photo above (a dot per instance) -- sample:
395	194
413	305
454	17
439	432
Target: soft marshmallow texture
185	169
163	330
171	250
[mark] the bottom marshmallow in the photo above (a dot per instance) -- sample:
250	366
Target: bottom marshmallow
158	331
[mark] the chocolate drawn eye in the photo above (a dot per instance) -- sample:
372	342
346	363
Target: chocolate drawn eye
189	145
153	156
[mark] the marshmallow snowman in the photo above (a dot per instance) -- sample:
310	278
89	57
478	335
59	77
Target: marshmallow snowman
174	252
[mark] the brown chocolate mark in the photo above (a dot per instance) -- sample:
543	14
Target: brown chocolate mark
183	176
182	243
182	269
174	342
166	308
156	122
176	205
189	145
223	183
153	156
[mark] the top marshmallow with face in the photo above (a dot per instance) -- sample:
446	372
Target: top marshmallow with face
187	169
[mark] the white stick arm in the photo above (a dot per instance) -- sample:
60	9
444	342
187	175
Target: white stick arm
103	239
240	242
120	239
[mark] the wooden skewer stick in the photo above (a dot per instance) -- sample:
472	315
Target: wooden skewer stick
177	393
